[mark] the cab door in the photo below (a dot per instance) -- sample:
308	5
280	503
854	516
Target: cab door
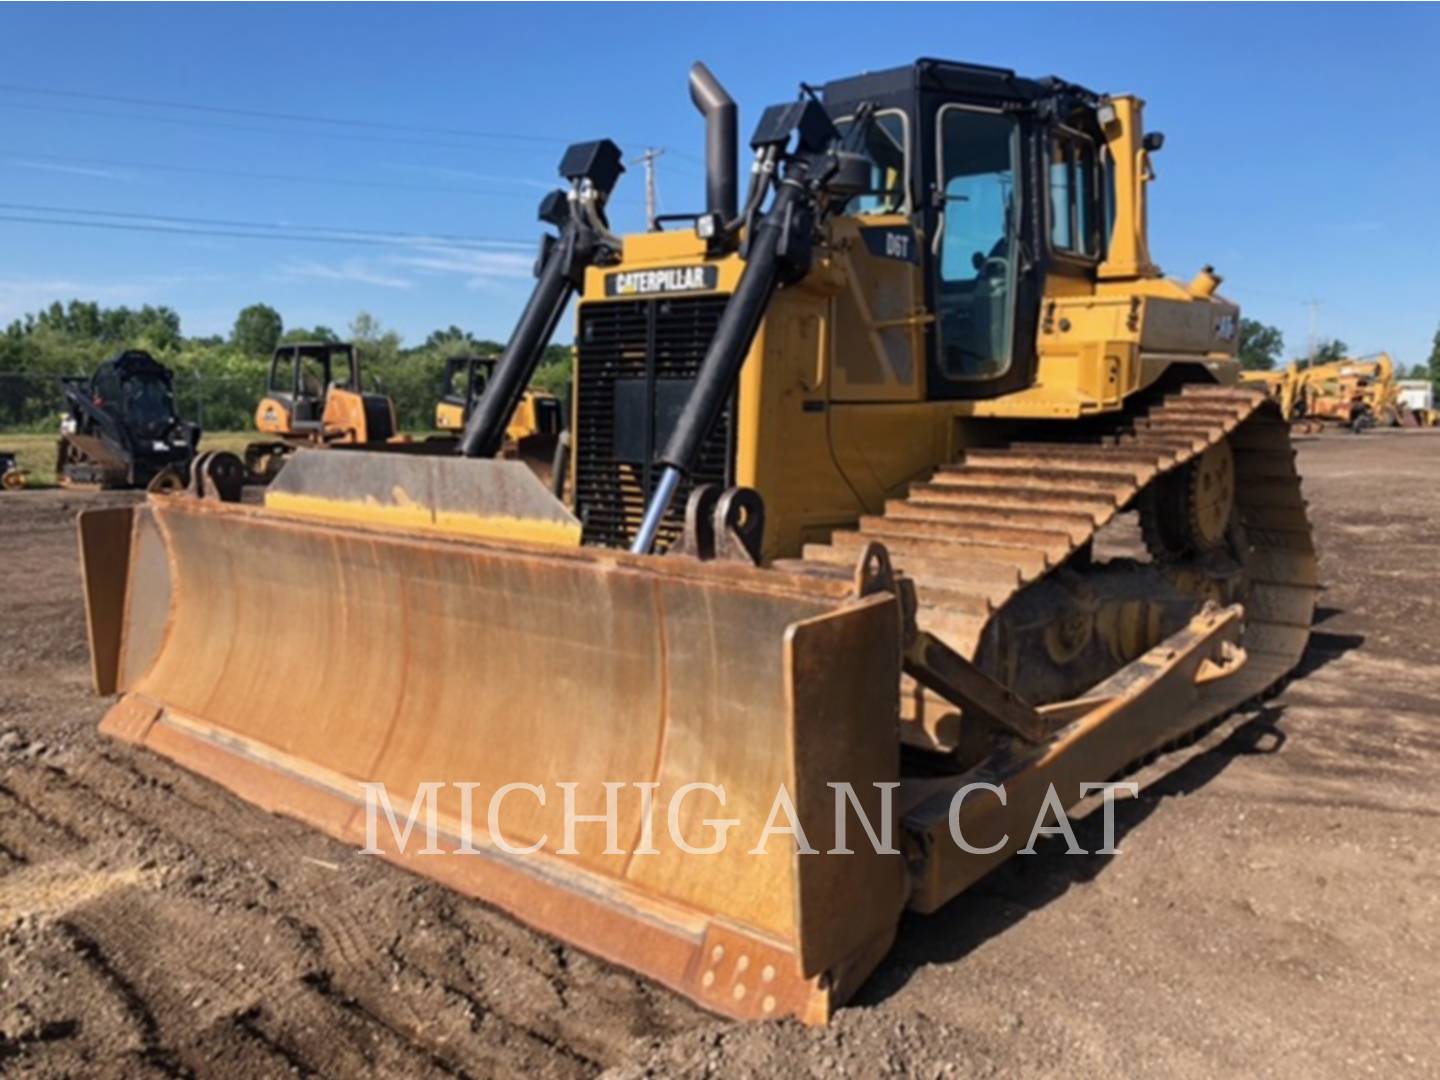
985	216
976	259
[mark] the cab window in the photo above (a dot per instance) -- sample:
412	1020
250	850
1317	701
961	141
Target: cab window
480	376
282	373
147	403
106	385
1074	228
887	144
978	241
314	371
340	366
454	380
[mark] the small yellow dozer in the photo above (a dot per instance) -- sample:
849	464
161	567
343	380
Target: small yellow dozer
314	397
534	430
832	554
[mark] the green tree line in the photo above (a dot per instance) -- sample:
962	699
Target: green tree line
221	378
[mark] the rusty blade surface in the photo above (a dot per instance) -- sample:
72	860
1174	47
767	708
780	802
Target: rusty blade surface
296	660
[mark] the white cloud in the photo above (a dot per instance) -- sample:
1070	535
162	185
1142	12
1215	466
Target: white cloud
74	170
356	271
478	268
19	296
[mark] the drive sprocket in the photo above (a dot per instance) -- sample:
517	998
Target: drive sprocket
1188	511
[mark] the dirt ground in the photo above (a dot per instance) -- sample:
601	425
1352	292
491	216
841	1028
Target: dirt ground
35	453
1275	909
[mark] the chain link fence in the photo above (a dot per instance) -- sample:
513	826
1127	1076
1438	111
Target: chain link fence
33	403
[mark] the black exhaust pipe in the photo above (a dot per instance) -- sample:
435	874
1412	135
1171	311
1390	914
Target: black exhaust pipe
721	136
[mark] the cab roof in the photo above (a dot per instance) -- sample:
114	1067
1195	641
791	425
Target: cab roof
948	76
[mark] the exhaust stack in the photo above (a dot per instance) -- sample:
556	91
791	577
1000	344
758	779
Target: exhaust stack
721	126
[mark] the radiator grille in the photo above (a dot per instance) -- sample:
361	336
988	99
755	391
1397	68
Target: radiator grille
627	351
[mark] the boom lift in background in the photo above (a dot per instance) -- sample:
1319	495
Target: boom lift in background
1353	393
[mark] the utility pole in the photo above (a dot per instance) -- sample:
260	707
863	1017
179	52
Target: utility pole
1313	341
651	199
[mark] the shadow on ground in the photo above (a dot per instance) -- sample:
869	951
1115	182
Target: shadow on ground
1025	884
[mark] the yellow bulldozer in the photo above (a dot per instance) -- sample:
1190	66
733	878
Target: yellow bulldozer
314	397
833	612
534	430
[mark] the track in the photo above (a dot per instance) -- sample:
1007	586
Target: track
979	532
93	461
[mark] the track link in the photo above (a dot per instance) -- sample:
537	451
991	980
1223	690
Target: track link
977	532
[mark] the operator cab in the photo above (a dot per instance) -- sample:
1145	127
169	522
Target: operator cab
1004	177
136	386
301	375
465	380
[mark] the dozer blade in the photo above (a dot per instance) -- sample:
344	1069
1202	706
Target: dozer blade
425	492
295	660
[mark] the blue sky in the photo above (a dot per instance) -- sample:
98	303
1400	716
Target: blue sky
1302	154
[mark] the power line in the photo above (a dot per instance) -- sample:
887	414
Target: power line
190	121
242	174
456	238
262	114
306	118
416	241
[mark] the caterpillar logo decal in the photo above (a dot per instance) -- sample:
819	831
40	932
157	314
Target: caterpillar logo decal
669	279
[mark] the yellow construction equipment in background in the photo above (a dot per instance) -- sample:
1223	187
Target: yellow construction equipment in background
460	387
12	477
534	429
313	397
1354	393
843	458
1284	386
